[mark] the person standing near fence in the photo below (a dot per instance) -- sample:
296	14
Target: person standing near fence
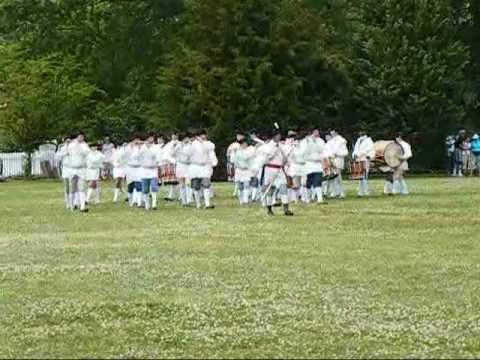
458	154
450	147
475	149
78	150
468	163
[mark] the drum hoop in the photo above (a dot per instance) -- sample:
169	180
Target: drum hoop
393	143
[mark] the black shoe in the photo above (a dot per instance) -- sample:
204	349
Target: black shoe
75	207
270	211
287	211
277	205
211	207
154	208
84	211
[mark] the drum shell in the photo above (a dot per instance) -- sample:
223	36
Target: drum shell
357	170
168	174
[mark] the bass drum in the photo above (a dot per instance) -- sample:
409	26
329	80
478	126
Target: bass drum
388	153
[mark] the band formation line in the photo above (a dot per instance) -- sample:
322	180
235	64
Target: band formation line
271	170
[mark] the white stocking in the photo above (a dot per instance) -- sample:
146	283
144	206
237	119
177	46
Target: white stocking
207	195
197	196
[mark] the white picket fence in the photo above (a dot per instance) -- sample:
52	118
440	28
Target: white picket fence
44	164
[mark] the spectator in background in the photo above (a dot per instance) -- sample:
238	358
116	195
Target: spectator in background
107	150
475	150
467	157
450	146
458	154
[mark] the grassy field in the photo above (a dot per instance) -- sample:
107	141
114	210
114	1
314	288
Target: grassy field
378	277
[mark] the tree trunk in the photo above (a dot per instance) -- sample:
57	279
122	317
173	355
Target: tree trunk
28	166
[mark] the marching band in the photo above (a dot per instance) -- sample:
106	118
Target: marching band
269	169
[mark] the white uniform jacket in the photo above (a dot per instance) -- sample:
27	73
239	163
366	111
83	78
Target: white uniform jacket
314	155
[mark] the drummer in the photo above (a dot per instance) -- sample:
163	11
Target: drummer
364	152
399	183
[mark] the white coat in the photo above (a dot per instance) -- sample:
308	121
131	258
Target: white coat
314	155
63	156
275	156
149	160
231	150
119	159
134	170
202	159
78	152
95	160
296	160
364	149
407	154
339	150
181	154
242	160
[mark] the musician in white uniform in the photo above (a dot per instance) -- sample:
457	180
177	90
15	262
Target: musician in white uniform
364	152
242	161
170	181
119	162
64	158
256	167
95	164
107	150
231	150
274	156
399	183
134	171
339	153
202	161
296	167
78	151
181	155
314	156
149	159
328	183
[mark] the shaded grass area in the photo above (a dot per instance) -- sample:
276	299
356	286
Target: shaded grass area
378	277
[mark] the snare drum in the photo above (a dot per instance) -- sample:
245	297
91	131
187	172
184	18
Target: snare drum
357	170
168	174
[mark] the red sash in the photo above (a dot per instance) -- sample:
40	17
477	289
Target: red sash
273	166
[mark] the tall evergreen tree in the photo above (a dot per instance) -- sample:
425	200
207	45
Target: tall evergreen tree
409	71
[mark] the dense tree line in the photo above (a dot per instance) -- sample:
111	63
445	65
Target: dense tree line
117	67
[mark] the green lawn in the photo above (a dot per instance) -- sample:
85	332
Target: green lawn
379	277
